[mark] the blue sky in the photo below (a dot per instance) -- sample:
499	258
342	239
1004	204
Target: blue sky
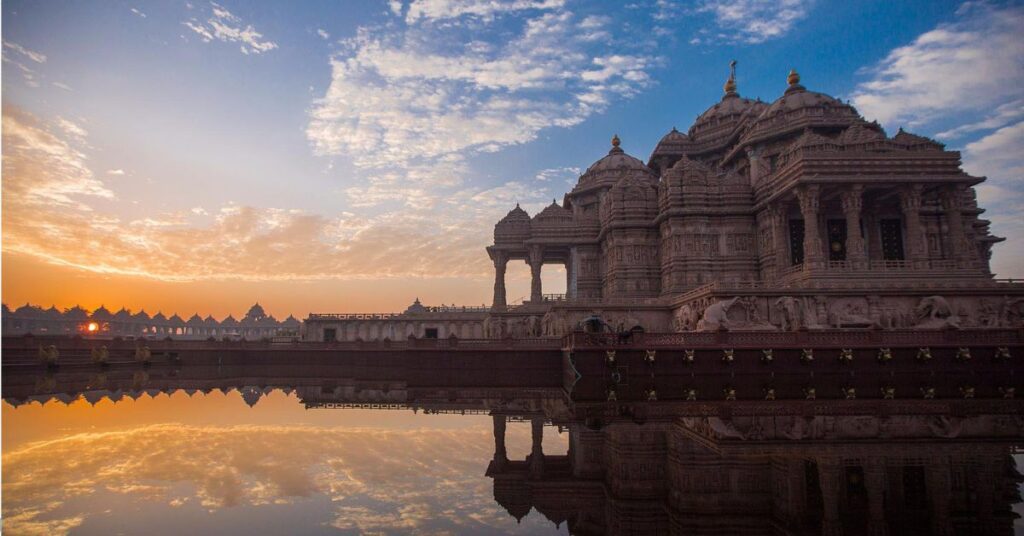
369	141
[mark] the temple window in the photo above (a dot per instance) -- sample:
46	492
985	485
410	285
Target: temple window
892	239
796	241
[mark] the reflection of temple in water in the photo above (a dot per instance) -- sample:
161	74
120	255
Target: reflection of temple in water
638	464
770	475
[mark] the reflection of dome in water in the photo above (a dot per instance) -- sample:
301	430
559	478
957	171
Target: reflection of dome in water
251	394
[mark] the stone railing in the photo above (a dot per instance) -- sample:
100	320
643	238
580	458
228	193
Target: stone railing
797	339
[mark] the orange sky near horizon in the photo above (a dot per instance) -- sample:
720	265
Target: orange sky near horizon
30	280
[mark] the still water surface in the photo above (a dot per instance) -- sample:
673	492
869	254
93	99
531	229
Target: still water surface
209	463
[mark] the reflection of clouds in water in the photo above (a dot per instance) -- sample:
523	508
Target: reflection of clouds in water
405	480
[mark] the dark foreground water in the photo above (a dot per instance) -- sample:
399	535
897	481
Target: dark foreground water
258	450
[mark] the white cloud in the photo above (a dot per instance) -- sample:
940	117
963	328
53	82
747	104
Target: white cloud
37	57
745	21
323	33
1003	115
115	172
434	10
972	64
63	86
42	171
224	26
137	12
396	101
1000	157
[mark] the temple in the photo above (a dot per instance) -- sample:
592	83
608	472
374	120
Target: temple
791	215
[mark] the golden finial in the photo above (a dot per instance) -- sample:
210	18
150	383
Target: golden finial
793	78
615	141
730	84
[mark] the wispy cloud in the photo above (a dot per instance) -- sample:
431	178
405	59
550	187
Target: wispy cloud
435	10
138	13
737	21
1001	116
323	33
37	57
53	210
972	64
224	26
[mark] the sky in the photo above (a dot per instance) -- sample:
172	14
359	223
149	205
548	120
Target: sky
351	156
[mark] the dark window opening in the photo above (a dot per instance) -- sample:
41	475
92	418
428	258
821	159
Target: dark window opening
915	494
837	240
796	241
330	335
892	239
430	333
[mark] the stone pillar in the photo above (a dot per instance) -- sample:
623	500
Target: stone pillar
810	201
830	478
536	261
874	481
952	205
537	450
500	263
853	202
910	203
778	218
500	454
570	280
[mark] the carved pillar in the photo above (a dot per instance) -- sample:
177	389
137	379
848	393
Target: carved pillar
830	478
778	216
874	481
536	261
537	451
952	204
500	263
570	278
853	202
910	203
500	454
810	201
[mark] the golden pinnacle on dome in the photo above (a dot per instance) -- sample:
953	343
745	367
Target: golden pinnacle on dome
615	141
793	78
730	84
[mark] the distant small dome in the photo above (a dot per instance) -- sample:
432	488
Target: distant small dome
416	307
255	313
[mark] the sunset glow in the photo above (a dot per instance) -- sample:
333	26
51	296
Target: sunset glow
351	158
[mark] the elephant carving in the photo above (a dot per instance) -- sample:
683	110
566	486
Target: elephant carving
716	316
789	307
934	312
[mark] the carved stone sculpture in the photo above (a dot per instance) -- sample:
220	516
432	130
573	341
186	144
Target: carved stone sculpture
716	316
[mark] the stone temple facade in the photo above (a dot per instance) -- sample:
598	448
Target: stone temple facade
790	215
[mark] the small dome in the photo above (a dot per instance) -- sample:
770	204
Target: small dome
553	214
514	228
913	141
195	320
860	133
102	314
159	317
613	167
416	306
256	313
727	111
798	109
141	315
